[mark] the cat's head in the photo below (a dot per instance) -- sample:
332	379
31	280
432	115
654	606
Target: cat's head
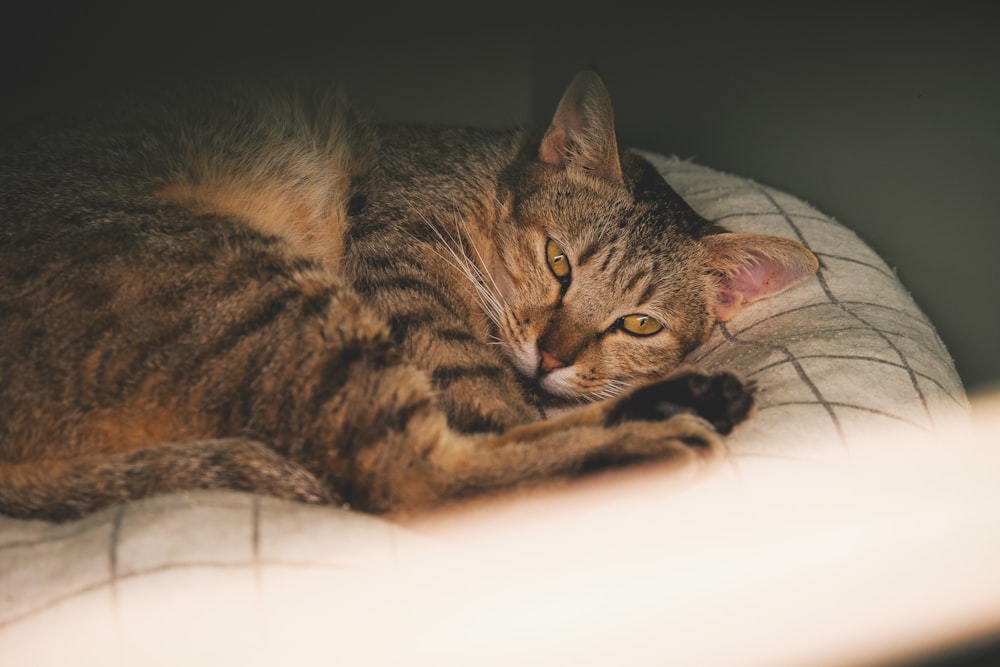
605	278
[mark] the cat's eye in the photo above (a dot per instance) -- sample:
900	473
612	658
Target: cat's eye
558	262
640	325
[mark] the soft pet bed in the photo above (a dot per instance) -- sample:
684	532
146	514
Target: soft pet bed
226	578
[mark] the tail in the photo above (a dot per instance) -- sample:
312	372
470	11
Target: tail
60	490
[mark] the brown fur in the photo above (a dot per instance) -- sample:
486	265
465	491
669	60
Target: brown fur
265	293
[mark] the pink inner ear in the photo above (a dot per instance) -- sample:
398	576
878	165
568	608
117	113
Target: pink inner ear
753	267
553	148
567	122
743	288
582	133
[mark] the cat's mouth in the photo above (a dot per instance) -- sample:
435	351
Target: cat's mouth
553	385
538	375
556	384
542	386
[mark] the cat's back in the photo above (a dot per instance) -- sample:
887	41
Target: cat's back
142	244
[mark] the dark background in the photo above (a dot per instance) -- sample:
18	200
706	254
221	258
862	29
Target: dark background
884	115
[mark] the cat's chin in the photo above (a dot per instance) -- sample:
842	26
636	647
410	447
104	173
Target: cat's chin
553	405
556	391
548	404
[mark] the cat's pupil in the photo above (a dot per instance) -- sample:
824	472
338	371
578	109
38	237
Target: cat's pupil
558	263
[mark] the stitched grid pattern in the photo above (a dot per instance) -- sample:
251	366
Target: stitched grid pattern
846	352
843	353
102	562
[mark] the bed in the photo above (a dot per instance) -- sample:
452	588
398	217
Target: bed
853	520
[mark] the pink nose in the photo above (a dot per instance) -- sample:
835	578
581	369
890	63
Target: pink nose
549	362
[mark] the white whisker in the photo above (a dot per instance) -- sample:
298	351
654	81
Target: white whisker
458	257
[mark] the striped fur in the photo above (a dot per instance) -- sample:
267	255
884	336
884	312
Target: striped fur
265	293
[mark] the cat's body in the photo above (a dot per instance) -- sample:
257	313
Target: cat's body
273	296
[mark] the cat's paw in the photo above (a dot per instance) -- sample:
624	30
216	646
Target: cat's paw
721	399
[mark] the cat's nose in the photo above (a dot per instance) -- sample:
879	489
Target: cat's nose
549	362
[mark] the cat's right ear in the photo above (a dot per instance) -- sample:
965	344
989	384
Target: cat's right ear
582	133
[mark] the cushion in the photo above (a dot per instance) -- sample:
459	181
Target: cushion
229	577
835	357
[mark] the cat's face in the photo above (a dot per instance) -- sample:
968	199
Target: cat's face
597	293
600	276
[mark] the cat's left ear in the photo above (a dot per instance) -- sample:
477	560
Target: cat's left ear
750	267
582	133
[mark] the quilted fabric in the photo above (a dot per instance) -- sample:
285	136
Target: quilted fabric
835	357
841	356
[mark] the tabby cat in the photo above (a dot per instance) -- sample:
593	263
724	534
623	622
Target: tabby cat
264	292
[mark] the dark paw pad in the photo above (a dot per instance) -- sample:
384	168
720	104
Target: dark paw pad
721	399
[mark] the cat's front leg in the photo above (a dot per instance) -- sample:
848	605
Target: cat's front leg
683	416
690	406
679	419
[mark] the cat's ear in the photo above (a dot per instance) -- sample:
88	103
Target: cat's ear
750	267
582	133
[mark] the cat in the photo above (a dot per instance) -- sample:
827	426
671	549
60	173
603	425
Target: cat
266	292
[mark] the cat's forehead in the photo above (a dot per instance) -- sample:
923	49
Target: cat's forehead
643	204
574	205
587	226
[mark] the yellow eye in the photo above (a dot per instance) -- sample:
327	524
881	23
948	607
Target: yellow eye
557	260
640	325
